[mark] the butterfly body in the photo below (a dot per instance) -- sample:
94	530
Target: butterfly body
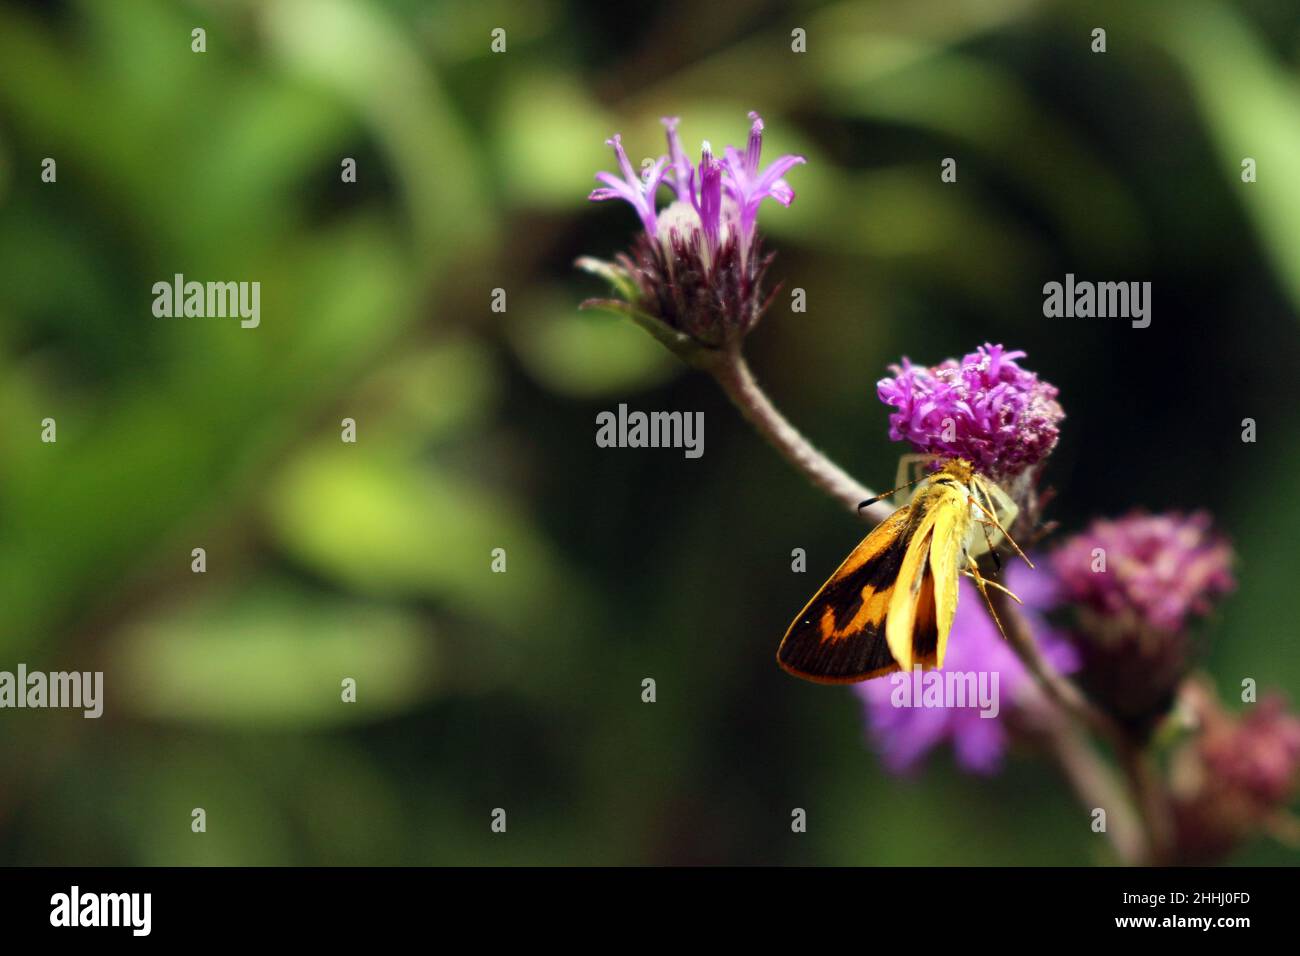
890	605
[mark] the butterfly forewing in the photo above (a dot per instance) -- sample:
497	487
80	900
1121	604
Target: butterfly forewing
839	637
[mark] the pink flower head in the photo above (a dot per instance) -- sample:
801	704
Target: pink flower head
985	408
737	177
697	267
1135	584
1259	753
1236	777
1150	572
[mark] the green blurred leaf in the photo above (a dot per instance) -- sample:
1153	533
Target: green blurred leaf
387	528
272	657
1251	103
587	354
365	57
550	136
428	394
981	105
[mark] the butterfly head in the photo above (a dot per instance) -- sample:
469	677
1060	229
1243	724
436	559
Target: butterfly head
958	468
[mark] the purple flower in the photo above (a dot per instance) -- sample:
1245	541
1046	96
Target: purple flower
1235	777
1148	572
701	186
986	409
697	267
905	734
1259	753
1136	583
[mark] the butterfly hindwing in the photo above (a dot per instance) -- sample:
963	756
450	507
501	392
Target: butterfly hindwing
925	626
910	623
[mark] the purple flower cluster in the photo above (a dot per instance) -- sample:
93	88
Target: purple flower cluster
723	195
697	266
985	408
1236	777
1135	583
1159	570
904	735
1259	754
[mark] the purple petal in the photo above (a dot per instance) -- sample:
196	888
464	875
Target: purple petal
755	145
774	172
735	166
623	162
618	186
681	166
781	192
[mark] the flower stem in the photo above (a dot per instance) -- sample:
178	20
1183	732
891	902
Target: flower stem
1063	691
1143	780
1097	786
729	368
1152	799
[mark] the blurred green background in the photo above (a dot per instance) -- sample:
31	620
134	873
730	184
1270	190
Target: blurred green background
476	429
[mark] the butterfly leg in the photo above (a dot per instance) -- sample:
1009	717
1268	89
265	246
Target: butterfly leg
989	582
982	583
971	499
988	543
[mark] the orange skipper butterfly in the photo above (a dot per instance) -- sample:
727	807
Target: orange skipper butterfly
890	605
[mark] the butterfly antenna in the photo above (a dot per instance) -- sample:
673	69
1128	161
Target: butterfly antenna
885	494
